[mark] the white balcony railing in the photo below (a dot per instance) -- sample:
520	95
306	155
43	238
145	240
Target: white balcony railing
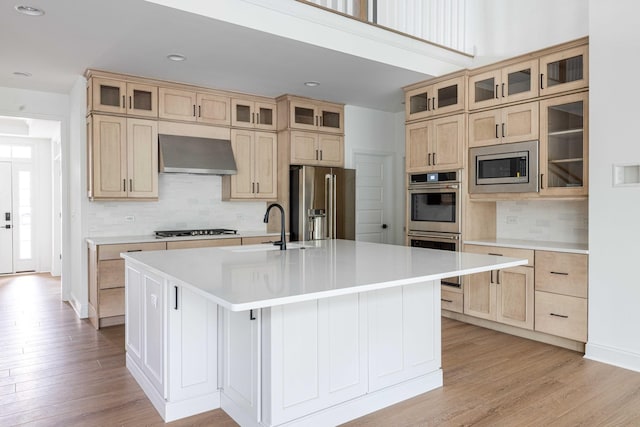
442	22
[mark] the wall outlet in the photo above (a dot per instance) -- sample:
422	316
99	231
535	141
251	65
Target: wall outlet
512	219
129	218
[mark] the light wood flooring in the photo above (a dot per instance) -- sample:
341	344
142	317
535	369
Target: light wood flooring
56	370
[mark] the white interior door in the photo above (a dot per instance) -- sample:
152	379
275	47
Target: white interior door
374	206
6	234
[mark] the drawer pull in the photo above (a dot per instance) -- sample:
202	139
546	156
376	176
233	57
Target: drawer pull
446	300
559	315
494	254
559	273
134	250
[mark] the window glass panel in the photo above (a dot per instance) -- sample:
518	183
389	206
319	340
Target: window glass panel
484	89
564	71
519	81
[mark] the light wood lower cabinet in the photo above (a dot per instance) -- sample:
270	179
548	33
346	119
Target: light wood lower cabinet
548	295
106	281
505	296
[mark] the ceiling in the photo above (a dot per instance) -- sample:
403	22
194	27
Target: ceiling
135	36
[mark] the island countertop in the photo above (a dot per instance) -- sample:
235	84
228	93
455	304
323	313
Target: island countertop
241	278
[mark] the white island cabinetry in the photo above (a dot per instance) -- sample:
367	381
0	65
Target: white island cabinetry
316	335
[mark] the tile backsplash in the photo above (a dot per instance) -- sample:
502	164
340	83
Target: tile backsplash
185	202
543	220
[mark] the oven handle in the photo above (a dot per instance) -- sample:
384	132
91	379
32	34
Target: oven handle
433	236
434	187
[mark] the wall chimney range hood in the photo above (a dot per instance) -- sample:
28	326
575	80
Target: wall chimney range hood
188	154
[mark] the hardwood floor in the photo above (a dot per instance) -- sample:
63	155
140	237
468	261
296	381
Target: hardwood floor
56	370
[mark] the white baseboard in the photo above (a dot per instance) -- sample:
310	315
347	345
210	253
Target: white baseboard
613	356
81	310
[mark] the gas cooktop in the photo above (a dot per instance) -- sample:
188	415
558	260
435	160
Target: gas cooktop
203	232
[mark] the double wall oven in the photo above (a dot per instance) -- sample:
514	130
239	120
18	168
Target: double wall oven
435	213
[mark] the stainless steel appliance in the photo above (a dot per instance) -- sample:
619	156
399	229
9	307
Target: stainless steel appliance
441	241
435	213
197	232
504	168
434	202
322	203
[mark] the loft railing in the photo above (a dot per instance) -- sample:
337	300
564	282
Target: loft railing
441	22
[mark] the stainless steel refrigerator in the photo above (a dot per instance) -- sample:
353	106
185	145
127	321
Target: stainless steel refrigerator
322	203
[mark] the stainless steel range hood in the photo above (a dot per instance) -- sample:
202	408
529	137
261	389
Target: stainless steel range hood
188	154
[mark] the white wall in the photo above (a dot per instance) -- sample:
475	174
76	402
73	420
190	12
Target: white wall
505	28
614	231
377	132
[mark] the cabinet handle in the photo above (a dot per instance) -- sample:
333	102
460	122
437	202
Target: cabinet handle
503	90
134	250
541	80
559	315
542	181
321	121
433	103
175	306
497	131
497	91
429	159
253	187
194	110
498	276
320	154
130	185
258	187
491	276
251	316
124	105
446	300
199	110
428	104
559	273
503	130
434	159
124	185
130	105
494	254
316	120
257	118
253	117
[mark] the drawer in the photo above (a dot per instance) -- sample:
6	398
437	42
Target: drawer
561	315
113	251
111	273
204	243
498	250
111	302
561	273
451	301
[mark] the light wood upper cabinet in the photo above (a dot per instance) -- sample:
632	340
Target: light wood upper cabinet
565	70
436	144
256	160
508	84
309	148
504	125
178	104
121	97
309	114
435	99
253	114
564	145
123	158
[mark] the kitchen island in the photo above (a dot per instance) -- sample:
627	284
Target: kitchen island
319	334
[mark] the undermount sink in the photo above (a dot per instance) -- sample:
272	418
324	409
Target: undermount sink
267	247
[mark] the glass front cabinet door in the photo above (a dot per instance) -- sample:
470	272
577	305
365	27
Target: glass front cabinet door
115	96
253	114
439	98
563	145
566	70
511	83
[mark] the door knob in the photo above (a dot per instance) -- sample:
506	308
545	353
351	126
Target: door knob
384	225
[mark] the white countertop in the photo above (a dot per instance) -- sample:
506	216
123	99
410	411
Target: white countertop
255	276
576	248
146	238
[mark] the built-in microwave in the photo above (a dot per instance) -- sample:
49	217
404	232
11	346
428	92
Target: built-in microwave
504	168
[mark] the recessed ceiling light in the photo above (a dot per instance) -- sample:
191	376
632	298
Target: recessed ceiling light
28	10
176	57
312	84
21	74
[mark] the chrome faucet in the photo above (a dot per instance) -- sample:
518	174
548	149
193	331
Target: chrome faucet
283	241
